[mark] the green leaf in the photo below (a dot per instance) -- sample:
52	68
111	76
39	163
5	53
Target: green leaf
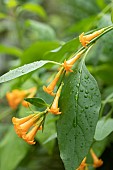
12	74
10	50
12	150
63	51
80	103
40	31
35	8
104	128
37	102
37	50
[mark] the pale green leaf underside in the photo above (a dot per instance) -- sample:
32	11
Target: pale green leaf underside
80	103
12	74
104	128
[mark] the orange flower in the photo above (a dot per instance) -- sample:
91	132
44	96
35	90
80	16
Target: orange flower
22	126
85	39
68	64
15	97
96	162
49	89
29	137
54	108
82	165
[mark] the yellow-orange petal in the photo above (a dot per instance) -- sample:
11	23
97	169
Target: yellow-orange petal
96	161
54	111
29	137
67	66
25	104
82	165
21	120
48	90
28	124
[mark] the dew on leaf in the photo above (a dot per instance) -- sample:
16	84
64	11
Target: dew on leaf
78	85
81	90
86	107
86	92
86	76
91	88
85	95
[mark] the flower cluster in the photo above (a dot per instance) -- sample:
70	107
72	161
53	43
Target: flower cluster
27	127
16	97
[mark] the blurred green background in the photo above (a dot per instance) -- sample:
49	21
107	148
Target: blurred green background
32	30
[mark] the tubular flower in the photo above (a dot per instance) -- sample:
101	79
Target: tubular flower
68	64
82	165
23	126
96	162
29	137
54	108
15	97
49	89
85	39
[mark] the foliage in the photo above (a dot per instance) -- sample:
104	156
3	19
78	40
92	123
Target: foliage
37	38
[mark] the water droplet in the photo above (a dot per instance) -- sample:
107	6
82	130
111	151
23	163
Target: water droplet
85	95
82	110
76	96
86	107
86	76
78	85
86	92
91	88
81	90
80	71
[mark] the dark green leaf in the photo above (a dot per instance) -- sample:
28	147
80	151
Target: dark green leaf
12	74
104	128
80	104
37	102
